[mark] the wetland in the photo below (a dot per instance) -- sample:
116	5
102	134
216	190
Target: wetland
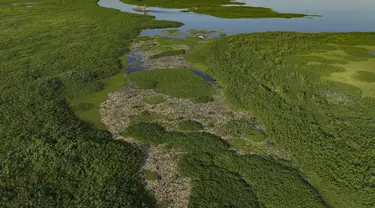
101	107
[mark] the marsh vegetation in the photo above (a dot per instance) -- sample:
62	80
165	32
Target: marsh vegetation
216	8
302	88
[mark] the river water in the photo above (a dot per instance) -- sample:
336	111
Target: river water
337	16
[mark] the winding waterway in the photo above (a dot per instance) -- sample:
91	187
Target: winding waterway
337	16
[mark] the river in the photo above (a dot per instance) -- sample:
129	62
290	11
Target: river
337	16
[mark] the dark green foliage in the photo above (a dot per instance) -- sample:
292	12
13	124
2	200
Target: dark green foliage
51	51
222	178
237	128
365	76
327	127
181	83
168	53
190	125
204	99
83	106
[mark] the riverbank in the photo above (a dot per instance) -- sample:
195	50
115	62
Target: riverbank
294	86
135	108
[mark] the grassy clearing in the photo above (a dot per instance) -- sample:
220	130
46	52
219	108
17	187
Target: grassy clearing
365	76
225	179
188	41
150	175
215	8
324	122
189	125
181	83
168	53
51	52
90	113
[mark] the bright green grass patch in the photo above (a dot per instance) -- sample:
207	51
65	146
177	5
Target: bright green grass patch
181	83
215	8
323	120
365	76
168	53
358	74
155	100
150	175
190	125
230	179
87	108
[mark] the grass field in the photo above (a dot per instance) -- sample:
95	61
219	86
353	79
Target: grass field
168	53
306	91
181	83
91	114
222	178
215	8
51	52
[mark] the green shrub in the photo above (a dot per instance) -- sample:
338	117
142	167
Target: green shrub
222	178
51	52
204	99
83	106
315	120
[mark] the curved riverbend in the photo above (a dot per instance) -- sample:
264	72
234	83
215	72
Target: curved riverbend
336	18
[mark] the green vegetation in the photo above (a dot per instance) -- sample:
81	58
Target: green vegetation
150	175
145	116
216	8
181	83
87	107
365	76
51	52
155	100
188	41
222	178
168	53
201	32
190	125
326	122
237	128
172	32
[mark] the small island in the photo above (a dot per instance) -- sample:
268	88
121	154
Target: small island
218	8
